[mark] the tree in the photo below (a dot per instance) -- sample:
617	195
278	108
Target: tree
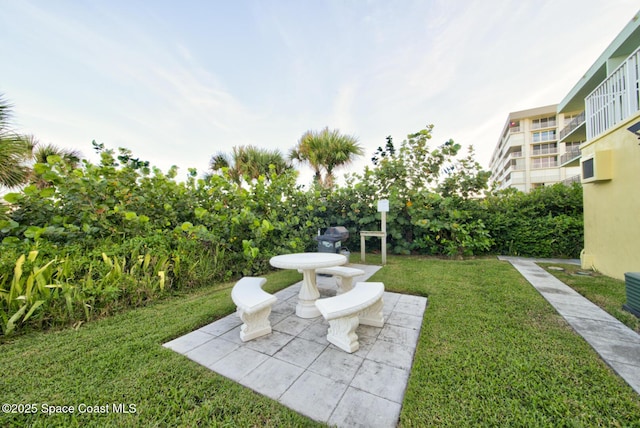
464	177
432	192
249	162
325	151
15	151
42	152
414	166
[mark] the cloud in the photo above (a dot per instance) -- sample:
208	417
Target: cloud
176	84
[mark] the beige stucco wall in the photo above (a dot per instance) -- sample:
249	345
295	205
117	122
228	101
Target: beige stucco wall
612	208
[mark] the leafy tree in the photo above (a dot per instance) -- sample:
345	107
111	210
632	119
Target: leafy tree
429	190
325	151
464	177
414	166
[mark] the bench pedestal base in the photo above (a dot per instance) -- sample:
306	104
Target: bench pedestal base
255	324
373	315
342	333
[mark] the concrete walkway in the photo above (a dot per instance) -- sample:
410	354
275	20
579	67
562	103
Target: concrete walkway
617	345
297	366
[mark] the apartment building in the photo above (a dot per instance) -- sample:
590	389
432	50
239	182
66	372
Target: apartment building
605	106
529	152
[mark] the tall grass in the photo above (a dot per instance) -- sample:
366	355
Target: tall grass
42	295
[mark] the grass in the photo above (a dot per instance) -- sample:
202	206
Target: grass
608	293
492	352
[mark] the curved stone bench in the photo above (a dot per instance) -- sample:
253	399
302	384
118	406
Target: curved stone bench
362	305
254	306
344	276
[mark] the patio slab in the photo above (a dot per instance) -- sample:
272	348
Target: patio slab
298	367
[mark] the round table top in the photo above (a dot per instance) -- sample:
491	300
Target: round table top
307	260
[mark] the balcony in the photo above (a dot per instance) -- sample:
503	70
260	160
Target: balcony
617	98
570	158
571	180
544	136
544	151
545	176
546	124
575	125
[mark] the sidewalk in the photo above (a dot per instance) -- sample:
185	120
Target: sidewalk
297	366
617	345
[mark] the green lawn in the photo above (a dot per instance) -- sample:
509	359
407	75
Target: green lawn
492	352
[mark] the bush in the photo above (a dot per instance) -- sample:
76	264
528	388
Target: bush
547	222
119	234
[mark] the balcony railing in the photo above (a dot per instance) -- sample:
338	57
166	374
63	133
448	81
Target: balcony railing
570	155
575	122
547	124
572	179
545	151
544	137
544	165
540	177
617	98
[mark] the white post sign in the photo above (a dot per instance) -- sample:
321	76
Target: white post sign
383	208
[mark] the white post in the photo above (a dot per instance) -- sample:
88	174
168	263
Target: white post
383	207
384	236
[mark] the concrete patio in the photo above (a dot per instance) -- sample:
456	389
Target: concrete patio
298	367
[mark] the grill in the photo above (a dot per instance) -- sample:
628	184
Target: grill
332	239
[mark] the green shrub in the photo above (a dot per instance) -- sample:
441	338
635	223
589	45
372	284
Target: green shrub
120	233
547	222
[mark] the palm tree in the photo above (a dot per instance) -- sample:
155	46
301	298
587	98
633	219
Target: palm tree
42	152
15	151
19	152
249	162
309	150
326	150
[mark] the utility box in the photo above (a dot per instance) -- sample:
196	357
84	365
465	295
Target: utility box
632	286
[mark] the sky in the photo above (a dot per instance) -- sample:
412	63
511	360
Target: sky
177	82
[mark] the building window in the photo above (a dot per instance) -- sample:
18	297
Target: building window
544	136
544	149
544	162
588	169
544	122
